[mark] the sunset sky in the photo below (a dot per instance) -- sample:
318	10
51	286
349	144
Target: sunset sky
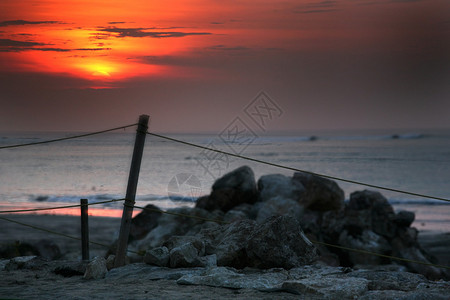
82	65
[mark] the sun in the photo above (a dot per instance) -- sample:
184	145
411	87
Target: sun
100	70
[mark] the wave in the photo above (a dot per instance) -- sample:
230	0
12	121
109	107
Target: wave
105	197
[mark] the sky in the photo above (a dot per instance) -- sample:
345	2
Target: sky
204	65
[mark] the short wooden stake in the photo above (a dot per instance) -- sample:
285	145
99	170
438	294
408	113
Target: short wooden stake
131	191
84	230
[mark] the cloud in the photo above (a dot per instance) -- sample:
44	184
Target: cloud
14	43
23	22
8	45
141	32
224	48
317	7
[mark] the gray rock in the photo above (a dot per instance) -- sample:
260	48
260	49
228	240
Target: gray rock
232	189
320	194
404	218
143	272
144	222
184	256
328	288
110	262
279	243
177	225
228	242
279	206
96	269
230	278
280	186
18	262
158	256
366	241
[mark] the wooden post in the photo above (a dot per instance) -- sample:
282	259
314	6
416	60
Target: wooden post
131	191
84	230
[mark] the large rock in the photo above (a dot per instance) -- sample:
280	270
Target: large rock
279	186
366	241
178	223
232	189
279	243
144	222
376	209
279	206
228	242
320	193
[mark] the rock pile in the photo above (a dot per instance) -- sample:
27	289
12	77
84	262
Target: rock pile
271	223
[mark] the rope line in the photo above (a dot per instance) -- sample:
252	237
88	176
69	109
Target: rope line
56	207
298	170
59	233
67	138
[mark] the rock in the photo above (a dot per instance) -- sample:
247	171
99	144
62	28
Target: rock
320	194
382	280
231	278
366	241
184	256
278	206
228	242
18	262
178	224
96	269
48	249
379	214
279	243
70	269
232	189
110	262
140	272
158	256
279	186
328	288
404	218
144	222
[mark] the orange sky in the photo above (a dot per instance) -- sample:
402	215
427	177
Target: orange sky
357	50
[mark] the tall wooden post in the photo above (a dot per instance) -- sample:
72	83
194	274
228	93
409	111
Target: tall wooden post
131	191
84	230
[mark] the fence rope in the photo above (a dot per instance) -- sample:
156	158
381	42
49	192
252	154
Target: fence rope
67	138
298	170
56	207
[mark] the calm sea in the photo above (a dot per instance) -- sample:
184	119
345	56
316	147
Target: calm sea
174	174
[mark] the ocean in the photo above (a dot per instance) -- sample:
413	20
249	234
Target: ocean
174	174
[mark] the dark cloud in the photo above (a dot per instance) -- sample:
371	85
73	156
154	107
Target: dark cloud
140	32
14	43
8	45
23	22
317	7
112	23
224	48
217	23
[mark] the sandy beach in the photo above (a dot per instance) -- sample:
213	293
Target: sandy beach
27	284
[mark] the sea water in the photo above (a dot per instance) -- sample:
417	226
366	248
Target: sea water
174	174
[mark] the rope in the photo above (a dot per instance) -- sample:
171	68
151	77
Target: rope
298	170
67	138
60	234
380	255
56	207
